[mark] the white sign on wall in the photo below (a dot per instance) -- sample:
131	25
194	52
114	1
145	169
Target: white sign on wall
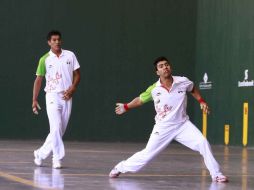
246	82
205	85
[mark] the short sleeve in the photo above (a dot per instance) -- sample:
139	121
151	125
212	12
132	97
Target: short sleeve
188	84
75	62
41	69
147	95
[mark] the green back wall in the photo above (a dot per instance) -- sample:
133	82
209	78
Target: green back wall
115	42
224	50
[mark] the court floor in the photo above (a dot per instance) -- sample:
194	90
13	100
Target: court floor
86	166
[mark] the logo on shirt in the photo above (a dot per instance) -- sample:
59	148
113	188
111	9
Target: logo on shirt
162	111
246	82
157	100
158	94
68	62
156	133
53	81
180	90
205	85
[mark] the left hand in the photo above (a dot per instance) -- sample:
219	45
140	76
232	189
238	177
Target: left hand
69	93
204	107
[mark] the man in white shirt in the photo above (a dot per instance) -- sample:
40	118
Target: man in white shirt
171	121
61	70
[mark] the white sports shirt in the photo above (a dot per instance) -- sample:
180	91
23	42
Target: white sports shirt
170	105
58	71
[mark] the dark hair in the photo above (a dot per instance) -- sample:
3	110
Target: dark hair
53	33
158	59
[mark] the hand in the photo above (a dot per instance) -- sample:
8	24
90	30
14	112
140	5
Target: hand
68	93
35	107
120	109
204	107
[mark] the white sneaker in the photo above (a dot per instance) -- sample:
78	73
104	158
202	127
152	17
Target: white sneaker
220	179
37	159
114	173
57	165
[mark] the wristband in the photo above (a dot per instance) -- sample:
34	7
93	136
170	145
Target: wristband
201	100
126	107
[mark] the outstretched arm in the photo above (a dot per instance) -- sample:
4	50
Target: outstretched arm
122	108
203	105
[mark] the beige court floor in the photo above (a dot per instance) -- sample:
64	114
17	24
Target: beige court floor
86	166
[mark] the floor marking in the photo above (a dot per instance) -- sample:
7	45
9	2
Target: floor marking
2	162
119	152
24	181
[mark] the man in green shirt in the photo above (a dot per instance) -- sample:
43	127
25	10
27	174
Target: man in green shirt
61	70
169	95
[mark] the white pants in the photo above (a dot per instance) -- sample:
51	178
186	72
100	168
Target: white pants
185	133
59	112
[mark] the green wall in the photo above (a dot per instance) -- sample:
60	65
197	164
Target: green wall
224	50
115	42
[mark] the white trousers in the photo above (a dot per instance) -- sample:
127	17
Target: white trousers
59	112
161	136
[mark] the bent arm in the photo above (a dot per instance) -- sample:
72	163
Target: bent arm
196	94
76	79
203	105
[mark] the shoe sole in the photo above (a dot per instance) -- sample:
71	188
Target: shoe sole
223	180
114	175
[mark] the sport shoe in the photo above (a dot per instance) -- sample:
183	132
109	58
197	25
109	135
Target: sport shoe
37	159
114	173
220	178
57	165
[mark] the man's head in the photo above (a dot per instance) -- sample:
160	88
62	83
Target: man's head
162	66
54	38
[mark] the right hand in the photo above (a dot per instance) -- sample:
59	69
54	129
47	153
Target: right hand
35	107
120	108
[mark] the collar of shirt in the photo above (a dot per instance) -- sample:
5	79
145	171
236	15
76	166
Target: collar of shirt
175	81
54	55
